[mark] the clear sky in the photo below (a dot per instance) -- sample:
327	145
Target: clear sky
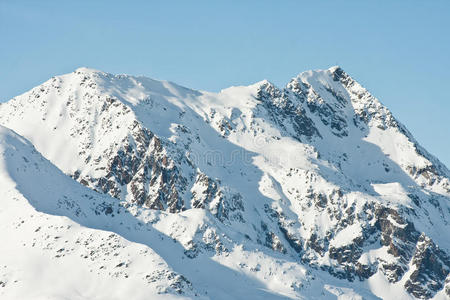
399	50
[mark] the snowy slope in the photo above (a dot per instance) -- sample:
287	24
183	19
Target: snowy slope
52	225
312	187
61	240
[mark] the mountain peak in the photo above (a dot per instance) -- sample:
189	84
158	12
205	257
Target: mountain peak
264	84
337	73
334	68
86	70
334	71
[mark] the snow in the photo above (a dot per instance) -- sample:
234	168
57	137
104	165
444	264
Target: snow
393	193
346	236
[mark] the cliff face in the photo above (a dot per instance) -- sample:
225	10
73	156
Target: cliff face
317	176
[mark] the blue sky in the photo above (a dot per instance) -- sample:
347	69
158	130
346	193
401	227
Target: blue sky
399	50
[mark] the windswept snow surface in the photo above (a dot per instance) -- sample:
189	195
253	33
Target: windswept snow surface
118	186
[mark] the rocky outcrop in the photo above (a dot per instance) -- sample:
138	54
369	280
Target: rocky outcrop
286	112
222	202
431	266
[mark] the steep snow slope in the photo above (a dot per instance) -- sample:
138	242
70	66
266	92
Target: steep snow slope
319	175
61	240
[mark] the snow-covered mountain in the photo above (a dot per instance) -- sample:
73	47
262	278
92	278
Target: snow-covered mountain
145	189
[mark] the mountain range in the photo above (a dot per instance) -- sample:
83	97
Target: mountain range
117	186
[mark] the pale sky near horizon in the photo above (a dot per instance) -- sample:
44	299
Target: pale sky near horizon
398	50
